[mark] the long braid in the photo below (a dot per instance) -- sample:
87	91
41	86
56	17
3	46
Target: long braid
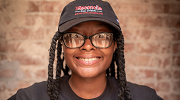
50	85
112	66
121	75
59	61
58	70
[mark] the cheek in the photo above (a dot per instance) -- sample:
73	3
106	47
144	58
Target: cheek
109	51
68	54
108	54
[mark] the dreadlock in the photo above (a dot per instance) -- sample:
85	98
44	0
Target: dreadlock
121	75
53	85
118	60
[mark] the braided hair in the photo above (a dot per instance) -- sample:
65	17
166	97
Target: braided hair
117	61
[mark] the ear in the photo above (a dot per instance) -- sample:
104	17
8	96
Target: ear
115	46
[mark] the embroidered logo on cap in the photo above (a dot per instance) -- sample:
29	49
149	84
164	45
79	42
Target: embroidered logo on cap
88	10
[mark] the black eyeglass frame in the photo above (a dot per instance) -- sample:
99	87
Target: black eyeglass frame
88	37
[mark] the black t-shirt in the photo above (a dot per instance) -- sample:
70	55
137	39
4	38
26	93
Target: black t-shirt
38	92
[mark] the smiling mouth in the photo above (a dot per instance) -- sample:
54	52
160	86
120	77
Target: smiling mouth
88	59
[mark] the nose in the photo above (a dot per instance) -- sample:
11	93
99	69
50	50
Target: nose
87	46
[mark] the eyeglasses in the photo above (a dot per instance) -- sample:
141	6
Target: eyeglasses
98	40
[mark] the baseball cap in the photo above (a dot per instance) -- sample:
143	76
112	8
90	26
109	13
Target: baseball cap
79	11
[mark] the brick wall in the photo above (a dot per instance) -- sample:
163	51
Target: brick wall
152	42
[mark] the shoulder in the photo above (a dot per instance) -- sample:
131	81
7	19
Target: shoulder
35	92
138	92
142	92
36	87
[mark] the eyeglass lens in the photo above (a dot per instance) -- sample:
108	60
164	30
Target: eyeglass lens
99	40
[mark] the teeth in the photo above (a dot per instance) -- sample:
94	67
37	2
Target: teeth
88	59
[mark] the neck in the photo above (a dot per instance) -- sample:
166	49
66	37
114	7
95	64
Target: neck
88	88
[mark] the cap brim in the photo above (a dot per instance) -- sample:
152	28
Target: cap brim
67	25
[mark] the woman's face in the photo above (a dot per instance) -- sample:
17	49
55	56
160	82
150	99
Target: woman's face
89	61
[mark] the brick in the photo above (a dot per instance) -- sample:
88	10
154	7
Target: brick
8	85
169	8
33	6
2	35
176	35
21	33
162	35
49	33
48	6
23	84
30	20
56	21
165	35
130	60
165	96
134	35
6	73
151	85
175	96
27	73
2	87
142	60
145	74
137	60
172	22
167	62
129	34
163	86
164	74
3	46
144	35
41	74
10	46
154	47
155	61
122	21
47	20
2	57
52	6
147	48
175	74
25	59
129	48
39	20
176	87
144	21
176	61
130	74
176	48
165	48
26	33
7	20
130	7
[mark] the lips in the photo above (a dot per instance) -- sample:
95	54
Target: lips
88	60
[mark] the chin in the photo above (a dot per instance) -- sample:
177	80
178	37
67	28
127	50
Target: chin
88	73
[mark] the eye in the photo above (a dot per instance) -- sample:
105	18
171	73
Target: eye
101	36
108	36
74	36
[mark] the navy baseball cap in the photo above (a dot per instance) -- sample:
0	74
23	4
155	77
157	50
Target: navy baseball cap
80	11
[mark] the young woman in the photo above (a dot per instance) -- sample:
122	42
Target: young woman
90	59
